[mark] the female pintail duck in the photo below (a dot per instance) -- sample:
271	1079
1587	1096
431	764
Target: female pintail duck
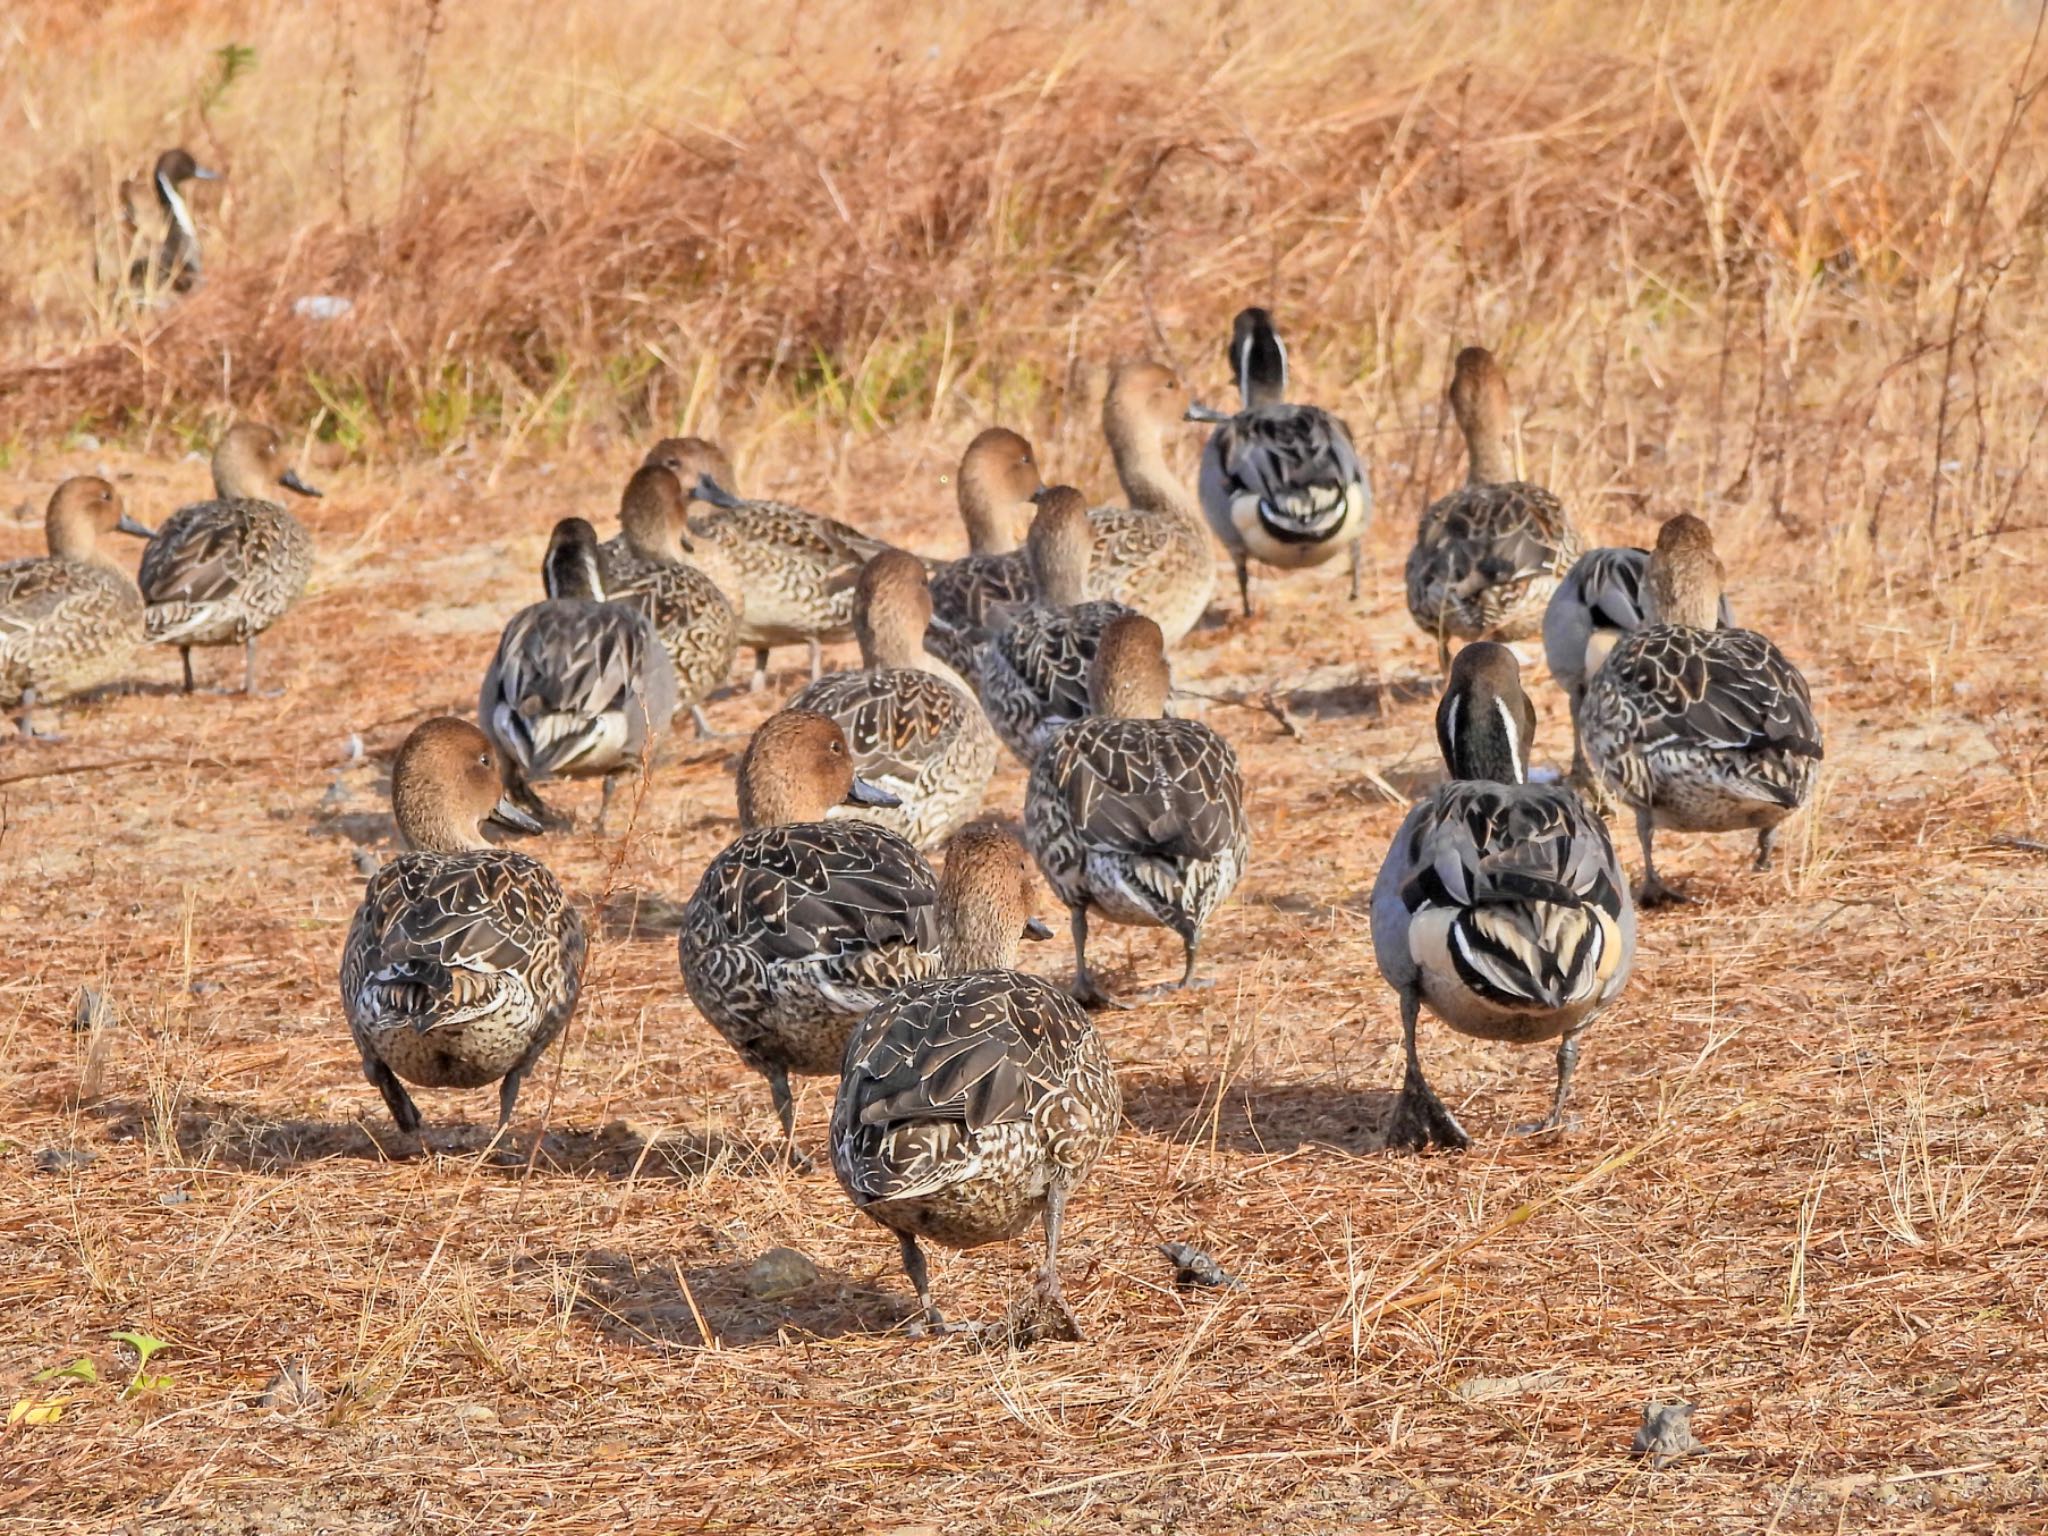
974	596
922	739
1137	818
641	568
579	687
72	619
176	264
803	924
1280	484
973	1103
1599	601
464	960
1033	672
790	573
1693	727
221	572
1487	556
1152	553
1501	904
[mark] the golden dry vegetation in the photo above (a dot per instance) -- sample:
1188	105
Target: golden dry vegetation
1777	262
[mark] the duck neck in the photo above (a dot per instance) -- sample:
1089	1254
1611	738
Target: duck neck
1481	738
1149	482
975	940
989	530
181	237
1261	370
892	643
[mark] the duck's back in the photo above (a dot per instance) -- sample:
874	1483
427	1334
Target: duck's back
793	571
698	626
1487	558
64	625
972	598
915	735
1155	560
219	571
1033	673
577	686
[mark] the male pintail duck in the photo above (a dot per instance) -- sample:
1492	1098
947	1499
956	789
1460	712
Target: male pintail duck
175	267
973	1103
1033	671
70	620
1599	601
1152	553
802	924
917	736
974	596
1501	904
221	572
1280	484
1487	556
1132	816
645	568
1694	727
464	960
579	687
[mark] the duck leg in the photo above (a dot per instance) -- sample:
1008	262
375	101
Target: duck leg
185	655
27	723
508	1095
1244	583
817	659
404	1113
604	806
702	722
1766	845
1357	565
1654	892
1443	653
785	1110
921	1282
1567	1061
760	669
1049	1273
1086	992
1420	1119
1191	945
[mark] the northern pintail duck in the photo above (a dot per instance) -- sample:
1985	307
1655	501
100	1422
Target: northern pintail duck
1033	671
1599	601
464	960
579	687
978	593
1487	556
1152	553
1501	904
802	924
176	264
221	572
789	572
1694	727
976	1102
922	739
1132	816
70	620
641	569
1280	484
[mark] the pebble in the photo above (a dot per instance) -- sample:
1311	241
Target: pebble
780	1272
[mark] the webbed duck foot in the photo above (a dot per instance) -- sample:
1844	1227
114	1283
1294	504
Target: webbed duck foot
1090	995
1420	1122
1653	892
1548	1123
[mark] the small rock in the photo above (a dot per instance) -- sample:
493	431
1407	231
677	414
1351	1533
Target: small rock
365	862
322	306
201	987
1191	1266
476	1413
1666	1434
292	1389
778	1273
173	1197
352	750
86	442
92	1013
336	796
65	1159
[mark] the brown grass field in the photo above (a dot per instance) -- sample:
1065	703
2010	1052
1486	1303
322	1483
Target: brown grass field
1780	263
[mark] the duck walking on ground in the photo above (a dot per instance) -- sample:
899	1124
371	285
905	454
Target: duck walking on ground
1132	816
922	739
1694	727
579	687
72	619
464	961
1151	553
1501	904
802	924
221	572
974	1103
977	594
1487	556
1280	484
642	569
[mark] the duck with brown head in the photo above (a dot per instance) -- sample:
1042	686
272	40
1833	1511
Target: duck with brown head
803	924
464	960
1694	725
1133	817
914	734
1280	483
972	1104
70	620
1500	905
580	687
221	572
974	596
1152	553
1487	556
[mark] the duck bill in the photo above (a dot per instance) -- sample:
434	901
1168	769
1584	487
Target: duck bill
129	524
202	173
508	815
290	481
1208	414
864	793
1037	928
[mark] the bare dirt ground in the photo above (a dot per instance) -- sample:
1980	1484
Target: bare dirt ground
1804	1192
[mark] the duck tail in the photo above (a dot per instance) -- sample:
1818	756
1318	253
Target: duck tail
1530	954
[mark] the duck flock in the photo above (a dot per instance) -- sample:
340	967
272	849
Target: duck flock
973	1098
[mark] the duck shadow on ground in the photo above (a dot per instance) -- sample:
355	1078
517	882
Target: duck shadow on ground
656	1303
1261	1118
229	1137
641	915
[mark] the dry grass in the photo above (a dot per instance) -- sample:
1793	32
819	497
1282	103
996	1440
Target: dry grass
1722	249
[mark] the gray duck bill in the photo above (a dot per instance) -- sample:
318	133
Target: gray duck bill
290	481
506	814
1197	411
1037	928
129	524
864	793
